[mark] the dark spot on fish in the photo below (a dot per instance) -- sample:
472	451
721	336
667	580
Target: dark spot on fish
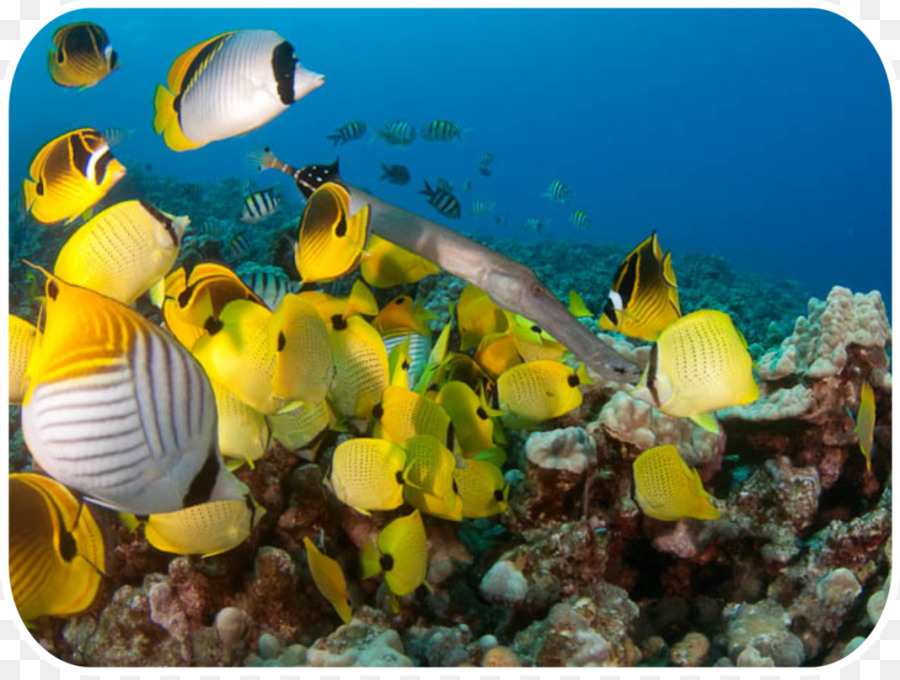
212	325
248	501
113	60
67	546
281	341
481	413
176	106
455	487
39	187
386	562
399	477
450	436
142	518
573	380
100	170
498	495
52	289
341	229
202	485
377	411
200	62
338	322
405	365
284	64
609	311
184	297
535	328
628	282
60	57
400	300
166	221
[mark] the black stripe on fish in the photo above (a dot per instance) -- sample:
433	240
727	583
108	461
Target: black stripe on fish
450	436
628	281
101	165
166	221
205	480
195	68
341	229
80	154
284	64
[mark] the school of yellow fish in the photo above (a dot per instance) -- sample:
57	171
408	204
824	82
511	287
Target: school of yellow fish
151	421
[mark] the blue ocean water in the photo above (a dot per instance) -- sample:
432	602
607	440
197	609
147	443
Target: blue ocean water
762	136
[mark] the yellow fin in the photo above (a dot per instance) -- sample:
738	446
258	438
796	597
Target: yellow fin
708	422
577	308
157	293
371	560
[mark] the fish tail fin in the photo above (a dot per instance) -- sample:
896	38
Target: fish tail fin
583	377
708	422
165	121
371	560
260	159
158	293
428	191
335	138
385	172
29	190
577	307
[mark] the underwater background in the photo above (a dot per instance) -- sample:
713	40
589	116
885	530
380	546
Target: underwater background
755	143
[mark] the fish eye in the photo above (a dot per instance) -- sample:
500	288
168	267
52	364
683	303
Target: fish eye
400	300
281	341
498	495
536	329
481	413
399	477
52	290
377	411
386	562
537	289
212	325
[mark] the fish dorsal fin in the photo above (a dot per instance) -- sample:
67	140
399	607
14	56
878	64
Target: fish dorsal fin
184	65
577	308
668	272
708	422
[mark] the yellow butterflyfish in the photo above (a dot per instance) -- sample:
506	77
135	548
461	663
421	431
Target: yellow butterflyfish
243	433
477	316
472	419
430	467
865	423
206	529
666	488
537	391
304	369
360	301
401	554
481	486
403	413
300	427
385	264
369	474
361	362
329	579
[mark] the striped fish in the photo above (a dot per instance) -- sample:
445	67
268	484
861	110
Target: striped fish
270	283
398	133
480	208
441	131
534	224
117	409
557	191
485	159
419	349
444	185
579	219
115	135
259	205
443	201
347	133
81	56
238	246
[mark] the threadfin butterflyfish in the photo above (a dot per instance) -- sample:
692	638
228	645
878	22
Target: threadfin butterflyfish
403	413
329	579
666	488
22	337
368	474
304	369
432	489
81	55
644	295
481	486
331	240
537	391
385	264
115	408
56	548
206	529
401	553
361	364
230	84
122	251
69	175
699	364
865	423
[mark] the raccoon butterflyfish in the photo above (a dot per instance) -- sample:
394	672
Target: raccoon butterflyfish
81	55
69	175
430	468
329	579
360	301
22	337
644	295
304	369
123	251
361	364
238	353
369	474
331	240
190	301
207	529
115	408
537	391
301	427
666	488
401	554
472	419
228	85
477	316
482	489
402	315
242	430
403	413
865	423
56	551
385	265
699	364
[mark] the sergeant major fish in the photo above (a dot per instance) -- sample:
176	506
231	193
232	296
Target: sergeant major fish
443	201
